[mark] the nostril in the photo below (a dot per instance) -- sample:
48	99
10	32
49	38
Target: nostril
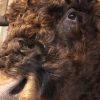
19	87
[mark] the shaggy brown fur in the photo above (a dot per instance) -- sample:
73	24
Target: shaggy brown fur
55	46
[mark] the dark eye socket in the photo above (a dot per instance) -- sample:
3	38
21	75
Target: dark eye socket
72	16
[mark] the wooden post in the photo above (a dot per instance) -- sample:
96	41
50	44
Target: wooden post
3	30
3	6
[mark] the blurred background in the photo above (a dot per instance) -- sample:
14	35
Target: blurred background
4	4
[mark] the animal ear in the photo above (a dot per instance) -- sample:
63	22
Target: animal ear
3	21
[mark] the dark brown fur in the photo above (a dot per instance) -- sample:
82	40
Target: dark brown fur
66	66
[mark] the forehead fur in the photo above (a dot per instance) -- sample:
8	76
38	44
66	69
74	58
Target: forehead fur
31	16
23	6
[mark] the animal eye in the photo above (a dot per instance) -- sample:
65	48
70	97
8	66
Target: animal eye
72	15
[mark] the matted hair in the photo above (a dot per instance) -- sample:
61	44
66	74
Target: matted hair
66	69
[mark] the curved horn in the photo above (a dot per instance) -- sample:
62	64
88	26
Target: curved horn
3	21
